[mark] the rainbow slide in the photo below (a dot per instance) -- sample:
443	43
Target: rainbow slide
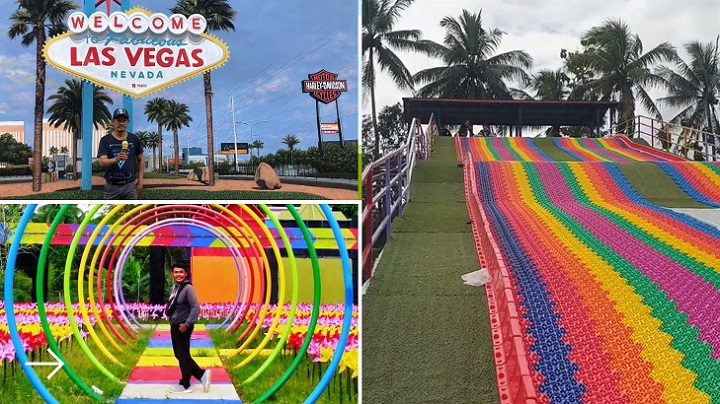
597	295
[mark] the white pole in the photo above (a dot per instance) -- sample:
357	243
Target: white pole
232	108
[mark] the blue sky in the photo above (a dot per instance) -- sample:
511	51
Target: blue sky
274	47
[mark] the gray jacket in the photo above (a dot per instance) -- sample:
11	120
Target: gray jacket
187	308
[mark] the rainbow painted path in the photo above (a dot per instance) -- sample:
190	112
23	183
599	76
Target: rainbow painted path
597	295
158	369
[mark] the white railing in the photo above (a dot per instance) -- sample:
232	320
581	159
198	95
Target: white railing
386	189
680	140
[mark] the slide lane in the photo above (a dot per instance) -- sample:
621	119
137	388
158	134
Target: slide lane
578	260
693	182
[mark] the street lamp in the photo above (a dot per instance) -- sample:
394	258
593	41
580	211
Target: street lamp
251	136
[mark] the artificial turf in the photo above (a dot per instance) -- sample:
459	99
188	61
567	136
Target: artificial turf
426	336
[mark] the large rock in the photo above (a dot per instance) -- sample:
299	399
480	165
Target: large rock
199	174
266	178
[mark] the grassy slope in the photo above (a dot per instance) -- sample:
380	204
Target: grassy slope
426	336
647	178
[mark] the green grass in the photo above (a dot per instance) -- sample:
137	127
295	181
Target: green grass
18	389
547	145
178	194
426	336
297	388
650	181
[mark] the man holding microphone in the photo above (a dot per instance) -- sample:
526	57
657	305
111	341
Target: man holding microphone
121	155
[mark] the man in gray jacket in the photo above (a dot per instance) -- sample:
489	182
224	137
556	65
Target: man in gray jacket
183	310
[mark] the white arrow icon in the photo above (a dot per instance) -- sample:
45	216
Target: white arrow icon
59	364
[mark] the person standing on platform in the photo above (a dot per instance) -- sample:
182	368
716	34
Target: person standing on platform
121	155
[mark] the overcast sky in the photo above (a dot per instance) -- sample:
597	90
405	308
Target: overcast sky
272	50
543	27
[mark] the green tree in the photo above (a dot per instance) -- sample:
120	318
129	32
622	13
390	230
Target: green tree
394	129
290	141
12	151
47	213
176	117
53	151
9	217
219	15
154	109
66	110
34	21
470	70
379	43
695	87
257	144
621	69
153	141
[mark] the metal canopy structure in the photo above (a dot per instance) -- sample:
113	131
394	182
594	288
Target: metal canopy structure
513	113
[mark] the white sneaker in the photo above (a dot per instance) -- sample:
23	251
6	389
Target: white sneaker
205	380
179	389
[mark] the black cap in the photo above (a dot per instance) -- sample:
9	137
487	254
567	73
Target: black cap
121	112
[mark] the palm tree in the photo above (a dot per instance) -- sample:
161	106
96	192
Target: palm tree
154	111
53	151
258	144
291	141
219	15
471	71
30	21
66	110
176	117
621	68
696	86
153	141
64	151
378	44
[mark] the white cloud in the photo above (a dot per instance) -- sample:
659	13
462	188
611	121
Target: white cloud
543	27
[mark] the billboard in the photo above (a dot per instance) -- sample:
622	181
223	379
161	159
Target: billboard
135	52
229	148
330	128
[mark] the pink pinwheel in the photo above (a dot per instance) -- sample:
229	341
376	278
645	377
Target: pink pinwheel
7	351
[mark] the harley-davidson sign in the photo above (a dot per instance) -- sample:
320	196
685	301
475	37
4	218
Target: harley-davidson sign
324	86
135	52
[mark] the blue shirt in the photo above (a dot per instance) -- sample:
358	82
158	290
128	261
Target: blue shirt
124	170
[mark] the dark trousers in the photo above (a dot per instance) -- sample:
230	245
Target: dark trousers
181	349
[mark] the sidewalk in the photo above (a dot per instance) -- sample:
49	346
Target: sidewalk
157	370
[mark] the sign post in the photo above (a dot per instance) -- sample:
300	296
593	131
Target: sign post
324	87
132	51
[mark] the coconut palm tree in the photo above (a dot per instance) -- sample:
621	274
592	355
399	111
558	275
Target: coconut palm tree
154	111
34	21
219	15
53	151
471	69
695	87
176	117
621	68
379	43
66	110
290	141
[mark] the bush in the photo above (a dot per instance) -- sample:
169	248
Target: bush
335	161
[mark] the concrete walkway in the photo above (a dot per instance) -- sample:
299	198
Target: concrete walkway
157	370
